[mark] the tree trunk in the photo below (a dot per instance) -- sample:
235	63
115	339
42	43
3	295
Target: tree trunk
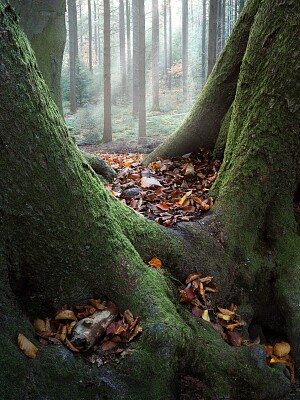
128	37
96	38
65	239
90	36
212	35
122	49
170	46
201	127
72	55
155	56
44	24
203	47
142	74
135	57
165	42
107	129
185	46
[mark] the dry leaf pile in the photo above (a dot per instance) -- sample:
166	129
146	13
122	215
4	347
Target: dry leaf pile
166	191
196	294
58	331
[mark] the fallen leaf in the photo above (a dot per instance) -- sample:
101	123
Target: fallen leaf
197	311
65	314
282	349
28	348
39	325
192	277
155	262
138	329
234	339
187	295
108	345
205	316
223	316
148	182
71	346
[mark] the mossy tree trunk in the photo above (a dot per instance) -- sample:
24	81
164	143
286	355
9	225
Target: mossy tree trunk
64	239
44	25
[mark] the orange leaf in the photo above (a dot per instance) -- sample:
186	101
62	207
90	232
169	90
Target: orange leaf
192	277
155	262
65	314
108	345
187	295
28	348
234	339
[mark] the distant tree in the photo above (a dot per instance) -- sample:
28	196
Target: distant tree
142	73
185	51
165	42
122	50
203	52
170	46
212	35
72	53
241	5
128	38
90	35
96	36
135	57
107	131
155	56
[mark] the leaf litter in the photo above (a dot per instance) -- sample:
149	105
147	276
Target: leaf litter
166	191
227	322
112	345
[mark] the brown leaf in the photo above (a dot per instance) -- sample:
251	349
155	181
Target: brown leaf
187	295
148	182
192	277
138	329
108	345
39	325
71	346
234	339
28	348
197	311
282	349
225	311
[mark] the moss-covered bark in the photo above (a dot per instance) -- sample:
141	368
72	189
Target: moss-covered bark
64	239
260	172
201	126
44	25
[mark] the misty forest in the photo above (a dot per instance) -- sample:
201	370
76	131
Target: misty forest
150	199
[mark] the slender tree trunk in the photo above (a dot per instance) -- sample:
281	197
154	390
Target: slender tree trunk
122	50
241	6
142	74
72	55
107	130
128	38
96	47
223	23
203	46
170	45
212	35
155	56
90	36
185	46
165	42
135	57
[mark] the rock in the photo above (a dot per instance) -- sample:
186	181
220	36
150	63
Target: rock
132	192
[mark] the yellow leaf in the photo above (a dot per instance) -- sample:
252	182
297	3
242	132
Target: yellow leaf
225	311
155	262
65	314
28	348
205	316
39	325
224	317
282	349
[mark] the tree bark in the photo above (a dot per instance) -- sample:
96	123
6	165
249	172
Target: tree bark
72	54
185	46
142	74
170	46
165	41
201	126
203	46
90	36
155	56
212	35
135	57
107	129
44	24
65	239
129	58
122	50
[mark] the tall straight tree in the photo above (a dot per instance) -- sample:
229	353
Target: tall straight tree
72	53
155	56
170	46
107	131
185	50
212	35
96	38
128	38
122	49
203	47
135	57
165	42
90	35
142	73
